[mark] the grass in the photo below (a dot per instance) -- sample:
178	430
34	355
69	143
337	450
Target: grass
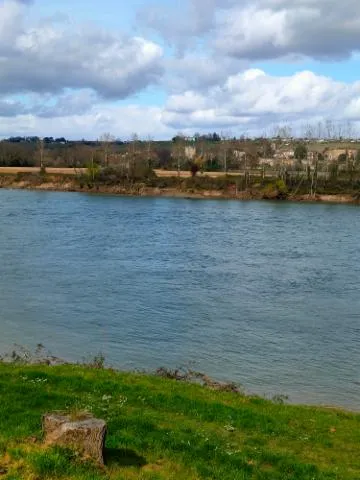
163	429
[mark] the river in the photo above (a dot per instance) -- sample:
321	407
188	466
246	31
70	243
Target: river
262	293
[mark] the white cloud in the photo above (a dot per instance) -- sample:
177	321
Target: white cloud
198	71
261	29
61	78
255	100
53	56
267	29
251	102
122	121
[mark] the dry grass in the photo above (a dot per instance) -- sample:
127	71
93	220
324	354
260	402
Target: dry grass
74	171
50	170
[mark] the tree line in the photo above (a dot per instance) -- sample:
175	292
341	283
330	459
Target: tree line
210	152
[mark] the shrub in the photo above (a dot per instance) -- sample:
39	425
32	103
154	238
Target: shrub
194	169
277	189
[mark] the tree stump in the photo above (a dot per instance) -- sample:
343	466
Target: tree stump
84	435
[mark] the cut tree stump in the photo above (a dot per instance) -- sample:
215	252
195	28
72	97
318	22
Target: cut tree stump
84	435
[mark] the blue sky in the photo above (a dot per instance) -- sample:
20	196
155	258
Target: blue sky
82	68
114	14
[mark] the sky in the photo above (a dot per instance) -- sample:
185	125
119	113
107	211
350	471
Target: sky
79	69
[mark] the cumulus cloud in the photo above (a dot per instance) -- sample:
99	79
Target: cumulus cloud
251	101
262	29
254	100
121	120
53	56
178	24
198	71
267	29
60	78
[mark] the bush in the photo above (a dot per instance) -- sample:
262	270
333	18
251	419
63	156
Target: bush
300	152
165	182
275	190
210	183
114	175
194	169
281	188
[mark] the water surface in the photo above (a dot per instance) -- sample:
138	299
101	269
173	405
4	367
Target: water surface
262	293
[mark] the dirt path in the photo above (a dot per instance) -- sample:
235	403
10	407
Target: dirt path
74	171
61	171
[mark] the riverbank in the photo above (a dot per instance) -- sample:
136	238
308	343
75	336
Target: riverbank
188	188
162	429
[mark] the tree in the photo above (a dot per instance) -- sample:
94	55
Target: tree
357	157
106	140
194	168
342	158
41	154
216	137
224	146
150	154
178	150
164	157
300	152
330	129
134	154
308	131
283	131
93	170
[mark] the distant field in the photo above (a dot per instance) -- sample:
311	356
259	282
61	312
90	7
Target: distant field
74	171
62	171
185	174
321	146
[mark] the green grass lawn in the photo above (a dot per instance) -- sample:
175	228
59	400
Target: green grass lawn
163	429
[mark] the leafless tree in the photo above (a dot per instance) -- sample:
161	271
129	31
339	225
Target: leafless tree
330	130
178	150
308	131
42	153
225	140
133	152
349	130
320	130
340	130
106	141
149	150
283	131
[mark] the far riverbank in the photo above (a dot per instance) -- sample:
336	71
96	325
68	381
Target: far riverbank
204	186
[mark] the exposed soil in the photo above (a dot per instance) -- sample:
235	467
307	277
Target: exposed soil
63	180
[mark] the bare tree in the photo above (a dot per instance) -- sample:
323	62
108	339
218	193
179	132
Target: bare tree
178	150
320	130
349	130
106	141
308	131
283	131
225	136
149	150
41	153
339	130
330	130
133	152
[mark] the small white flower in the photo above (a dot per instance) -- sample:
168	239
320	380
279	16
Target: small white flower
230	428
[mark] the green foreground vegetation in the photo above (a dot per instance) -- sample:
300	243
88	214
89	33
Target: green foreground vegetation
160	428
